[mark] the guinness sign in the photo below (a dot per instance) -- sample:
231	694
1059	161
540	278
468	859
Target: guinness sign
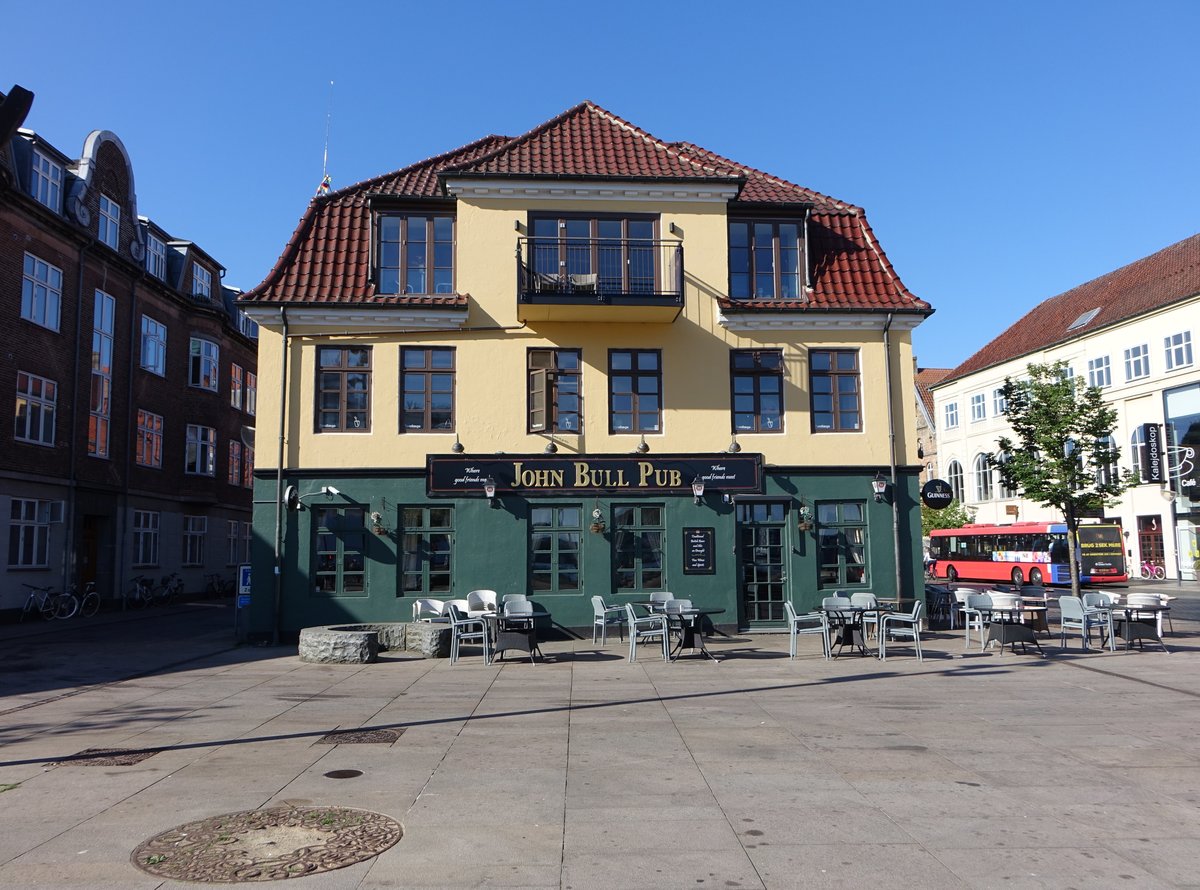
936	494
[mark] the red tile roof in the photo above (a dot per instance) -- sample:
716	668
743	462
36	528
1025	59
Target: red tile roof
327	259
1163	278
927	377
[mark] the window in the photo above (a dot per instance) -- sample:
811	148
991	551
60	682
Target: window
247	326
41	292
638	546
554	538
428	558
29	534
634	391
201	282
836	394
102	354
246	539
1137	362
344	389
195	529
149	439
983	478
842	543
1106	472
201	451
1178	349
204	361
233	540
235	385
1137	450
251	393
608	255
951	415
999	403
37	398
428	387
1083	319
765	260
555	404
234	476
247	467
978	408
109	227
145	538
1099	372
154	346
47	181
954	475
756	390
416	254
156	256
1007	491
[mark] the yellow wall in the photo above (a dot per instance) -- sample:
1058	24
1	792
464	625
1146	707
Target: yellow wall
490	401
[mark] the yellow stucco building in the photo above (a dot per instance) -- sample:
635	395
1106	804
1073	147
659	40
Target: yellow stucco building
669	372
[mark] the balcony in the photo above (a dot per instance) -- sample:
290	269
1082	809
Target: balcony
599	280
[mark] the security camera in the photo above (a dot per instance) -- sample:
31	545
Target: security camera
331	491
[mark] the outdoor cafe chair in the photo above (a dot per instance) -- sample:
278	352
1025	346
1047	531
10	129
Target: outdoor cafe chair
866	601
508	597
604	615
647	629
942	605
481	601
973	610
1073	616
659	600
433	611
900	625
464	629
800	624
1149	599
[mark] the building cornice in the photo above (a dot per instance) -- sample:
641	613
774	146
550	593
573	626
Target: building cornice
381	319
706	192
815	320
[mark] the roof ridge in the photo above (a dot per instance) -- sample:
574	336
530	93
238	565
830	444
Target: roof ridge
647	136
770	177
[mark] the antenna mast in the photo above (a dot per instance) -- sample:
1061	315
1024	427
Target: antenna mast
328	119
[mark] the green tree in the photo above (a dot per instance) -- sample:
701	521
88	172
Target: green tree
1062	456
953	515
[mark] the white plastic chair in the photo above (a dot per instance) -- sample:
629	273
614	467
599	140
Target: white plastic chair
647	629
1148	599
464	629
902	626
659	600
973	610
480	602
432	611
508	597
604	615
1073	616
802	624
866	601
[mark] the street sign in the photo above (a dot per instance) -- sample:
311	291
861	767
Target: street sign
243	600
244	580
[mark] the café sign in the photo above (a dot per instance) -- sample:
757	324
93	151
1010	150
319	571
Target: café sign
537	474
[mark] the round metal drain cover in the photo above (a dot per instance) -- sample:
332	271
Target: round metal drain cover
343	774
267	845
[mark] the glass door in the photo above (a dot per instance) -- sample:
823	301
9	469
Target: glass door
762	562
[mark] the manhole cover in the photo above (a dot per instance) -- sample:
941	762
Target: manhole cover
267	845
104	757
360	737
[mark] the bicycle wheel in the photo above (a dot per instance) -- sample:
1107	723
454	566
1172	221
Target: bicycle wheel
90	604
1160	573
65	606
1146	573
48	608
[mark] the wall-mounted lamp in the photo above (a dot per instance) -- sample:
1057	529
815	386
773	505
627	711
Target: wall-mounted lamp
734	447
1126	534
489	491
727	498
879	485
673	229
551	448
642	447
697	490
920	449
292	496
330	492
457	447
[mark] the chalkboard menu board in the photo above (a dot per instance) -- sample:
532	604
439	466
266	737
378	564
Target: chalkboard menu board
698	551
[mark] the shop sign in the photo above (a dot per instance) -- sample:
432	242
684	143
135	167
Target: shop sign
699	551
1152	466
936	494
537	474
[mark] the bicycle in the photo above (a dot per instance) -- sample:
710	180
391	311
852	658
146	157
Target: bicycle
89	603
931	570
170	590
1152	572
140	593
49	605
215	585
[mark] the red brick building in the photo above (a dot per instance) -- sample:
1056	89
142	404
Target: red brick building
127	382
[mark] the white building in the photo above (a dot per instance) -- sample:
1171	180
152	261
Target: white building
1130	332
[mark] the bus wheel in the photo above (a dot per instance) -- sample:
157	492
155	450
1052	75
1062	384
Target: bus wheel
1017	578
1035	577
951	574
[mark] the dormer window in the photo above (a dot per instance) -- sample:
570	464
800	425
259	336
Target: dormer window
766	260
46	184
156	257
201	282
109	230
1084	319
416	254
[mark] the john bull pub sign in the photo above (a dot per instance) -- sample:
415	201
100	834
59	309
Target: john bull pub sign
532	475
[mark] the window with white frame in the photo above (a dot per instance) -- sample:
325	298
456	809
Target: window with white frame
1099	372
204	358
951	415
156	256
201	451
47	181
37	399
109	230
983	478
235	385
235	462
1178	348
149	439
246	538
999	403
195	529
41	292
145	538
1137	450
1106	472
233	540
99	419
978	407
954	475
29	534
201	282
1137	362
154	346
251	393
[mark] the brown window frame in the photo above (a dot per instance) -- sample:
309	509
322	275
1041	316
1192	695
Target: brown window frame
835	374
430	215
776	258
635	397
427	371
342	370
544	379
756	373
594	239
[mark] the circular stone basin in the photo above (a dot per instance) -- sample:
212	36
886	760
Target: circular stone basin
267	845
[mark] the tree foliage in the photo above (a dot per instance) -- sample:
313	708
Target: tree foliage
953	515
1062	456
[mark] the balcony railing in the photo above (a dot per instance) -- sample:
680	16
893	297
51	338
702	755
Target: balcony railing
625	272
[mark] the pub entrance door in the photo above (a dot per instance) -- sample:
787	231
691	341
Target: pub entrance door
1150	543
762	562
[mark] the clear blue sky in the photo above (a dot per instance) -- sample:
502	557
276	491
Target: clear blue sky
1004	153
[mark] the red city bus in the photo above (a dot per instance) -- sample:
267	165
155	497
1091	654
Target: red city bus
1028	553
